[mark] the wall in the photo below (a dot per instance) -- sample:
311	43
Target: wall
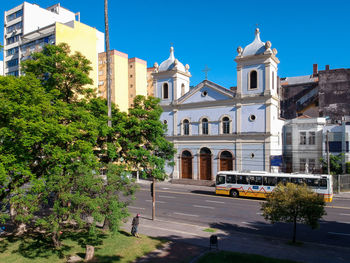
76	35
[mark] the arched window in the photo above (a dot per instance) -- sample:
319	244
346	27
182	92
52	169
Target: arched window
165	91
186	127
253	80
182	89
225	125
205	128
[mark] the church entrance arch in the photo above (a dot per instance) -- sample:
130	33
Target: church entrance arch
205	164
186	165
226	161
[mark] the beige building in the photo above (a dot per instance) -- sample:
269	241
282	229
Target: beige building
129	78
150	87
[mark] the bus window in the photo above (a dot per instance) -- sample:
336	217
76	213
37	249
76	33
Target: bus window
269	181
312	182
220	179
230	179
255	180
323	183
283	180
242	179
297	180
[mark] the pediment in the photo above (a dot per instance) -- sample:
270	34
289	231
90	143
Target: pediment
206	91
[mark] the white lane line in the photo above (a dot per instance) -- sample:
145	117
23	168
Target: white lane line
203	206
134	207
161	202
259	214
165	188
341	234
344	214
165	196
259	224
217	202
182	214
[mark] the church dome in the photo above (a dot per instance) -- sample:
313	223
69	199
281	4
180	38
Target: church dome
256	47
171	62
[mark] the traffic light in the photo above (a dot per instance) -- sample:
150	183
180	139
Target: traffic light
152	189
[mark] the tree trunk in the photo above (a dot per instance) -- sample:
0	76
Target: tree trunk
106	224
295	230
90	250
55	240
21	229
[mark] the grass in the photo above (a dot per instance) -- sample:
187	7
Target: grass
228	257
210	230
108	248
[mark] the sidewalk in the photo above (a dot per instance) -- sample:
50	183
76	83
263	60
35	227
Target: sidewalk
192	241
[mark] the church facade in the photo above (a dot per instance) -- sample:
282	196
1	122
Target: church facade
214	128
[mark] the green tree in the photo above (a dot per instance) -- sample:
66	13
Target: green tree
50	129
293	203
335	163
143	144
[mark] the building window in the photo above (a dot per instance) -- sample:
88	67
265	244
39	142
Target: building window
13	73
14	15
273	80
186	127
165	91
205	128
100	73
130	76
253	79
312	138
225	125
288	138
303	138
14	27
12	63
312	165
335	146
165	122
302	164
182	89
100	83
12	51
130	66
252	117
13	39
131	86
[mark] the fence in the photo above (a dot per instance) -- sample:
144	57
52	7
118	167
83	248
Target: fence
341	183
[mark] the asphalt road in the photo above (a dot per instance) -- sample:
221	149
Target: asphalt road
203	207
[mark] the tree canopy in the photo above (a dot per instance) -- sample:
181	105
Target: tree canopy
292	203
53	147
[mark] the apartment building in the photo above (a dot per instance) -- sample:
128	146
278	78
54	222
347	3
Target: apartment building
29	27
128	78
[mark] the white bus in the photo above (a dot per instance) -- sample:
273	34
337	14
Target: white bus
259	184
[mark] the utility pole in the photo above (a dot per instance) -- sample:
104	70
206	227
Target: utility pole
153	193
108	57
328	164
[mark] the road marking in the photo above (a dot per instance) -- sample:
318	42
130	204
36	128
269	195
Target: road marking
203	206
161	202
260	224
165	196
134	207
259	214
341	234
165	188
217	202
344	214
182	214
340	207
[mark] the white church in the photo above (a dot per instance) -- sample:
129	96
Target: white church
214	128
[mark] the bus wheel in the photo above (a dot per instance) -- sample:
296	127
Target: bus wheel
234	193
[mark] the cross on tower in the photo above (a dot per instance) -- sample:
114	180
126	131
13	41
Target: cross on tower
206	70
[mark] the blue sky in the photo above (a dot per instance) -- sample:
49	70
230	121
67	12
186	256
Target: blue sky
208	32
